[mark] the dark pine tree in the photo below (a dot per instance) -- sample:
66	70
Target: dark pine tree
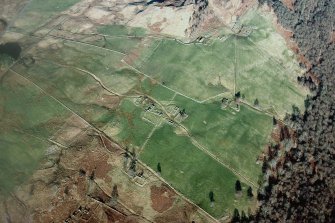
249	192
274	120
238	187
159	168
236	216
238	95
211	196
182	112
256	102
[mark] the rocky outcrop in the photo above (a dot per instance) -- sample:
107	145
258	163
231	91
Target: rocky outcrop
175	3
200	13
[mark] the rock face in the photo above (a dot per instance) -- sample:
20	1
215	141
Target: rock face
303	190
199	12
180	18
176	3
199	15
211	14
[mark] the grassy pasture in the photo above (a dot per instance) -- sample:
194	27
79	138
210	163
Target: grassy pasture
38	12
266	38
247	55
192	172
266	80
28	118
74	89
122	44
83	56
121	30
273	79
194	70
236	138
117	43
20	156
143	52
155	90
80	92
269	87
132	128
27	108
105	65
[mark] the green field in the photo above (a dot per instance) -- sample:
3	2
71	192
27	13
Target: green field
105	65
119	38
265	74
132	129
194	70
268	40
38	12
155	90
275	71
143	52
192	172
76	90
92	76
121	44
86	57
121	30
28	118
201	72
20	156
259	66
236	138
269	78
26	107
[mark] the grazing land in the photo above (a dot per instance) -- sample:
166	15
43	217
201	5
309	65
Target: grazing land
196	70
193	115
193	172
29	119
37	12
233	137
